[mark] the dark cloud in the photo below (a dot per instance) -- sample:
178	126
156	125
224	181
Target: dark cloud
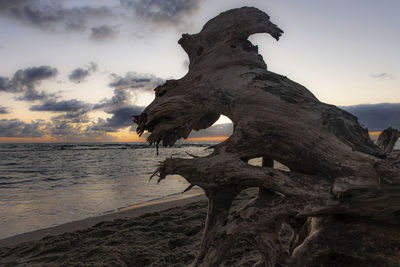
62	130
120	105
383	75
4	84
377	117
171	11
125	88
120	98
71	121
52	14
17	128
56	16
78	75
70	124
72	105
122	117
65	130
31	94
134	80
4	110
80	116
103	33
25	81
75	111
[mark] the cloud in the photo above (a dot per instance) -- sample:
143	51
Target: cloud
52	15
4	84
62	130
103	33
17	128
120	98
377	117
383	75
60	16
78	75
69	126
74	132
80	116
122	117
122	109
61	106
121	104
26	80
4	110
31	94
125	89
162	11
75	111
134	80
71	121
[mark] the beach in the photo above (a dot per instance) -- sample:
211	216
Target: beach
166	233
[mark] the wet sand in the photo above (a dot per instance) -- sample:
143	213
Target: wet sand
155	205
167	233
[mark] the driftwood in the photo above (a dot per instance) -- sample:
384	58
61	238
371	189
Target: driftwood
387	139
341	196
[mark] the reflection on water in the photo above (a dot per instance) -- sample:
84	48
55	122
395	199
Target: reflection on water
47	184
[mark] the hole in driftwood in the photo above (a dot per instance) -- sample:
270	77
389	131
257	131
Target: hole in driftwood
255	162
219	131
258	163
281	166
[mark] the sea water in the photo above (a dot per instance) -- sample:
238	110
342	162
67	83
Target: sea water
42	185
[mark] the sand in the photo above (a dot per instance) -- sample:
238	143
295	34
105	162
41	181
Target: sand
161	234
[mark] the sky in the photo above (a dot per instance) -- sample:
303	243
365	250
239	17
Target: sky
76	71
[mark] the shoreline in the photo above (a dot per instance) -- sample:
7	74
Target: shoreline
159	234
154	205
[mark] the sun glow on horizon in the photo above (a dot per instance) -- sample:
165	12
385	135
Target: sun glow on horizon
211	139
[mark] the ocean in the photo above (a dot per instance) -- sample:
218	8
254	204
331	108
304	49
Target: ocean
47	184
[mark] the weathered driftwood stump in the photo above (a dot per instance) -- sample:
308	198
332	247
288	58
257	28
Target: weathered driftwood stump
342	194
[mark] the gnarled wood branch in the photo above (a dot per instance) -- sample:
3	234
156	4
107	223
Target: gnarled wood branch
342	191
